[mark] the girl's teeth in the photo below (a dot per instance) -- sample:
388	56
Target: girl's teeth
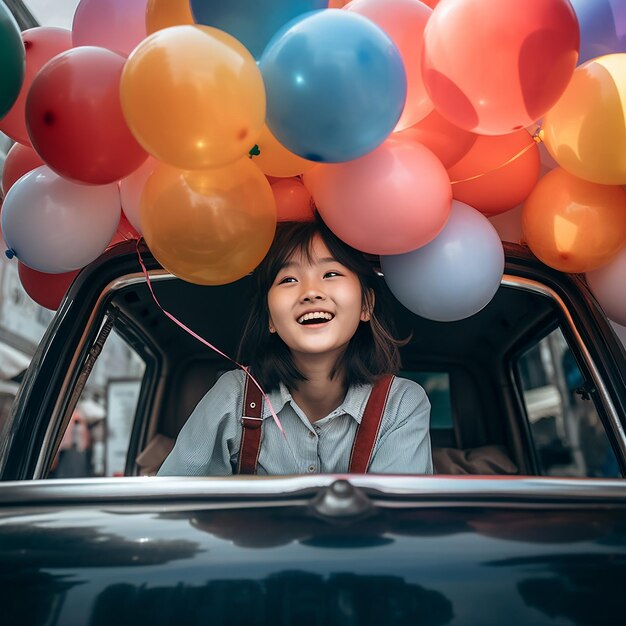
315	316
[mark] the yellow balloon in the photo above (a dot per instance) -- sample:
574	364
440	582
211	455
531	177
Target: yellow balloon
163	13
275	160
193	97
208	227
585	132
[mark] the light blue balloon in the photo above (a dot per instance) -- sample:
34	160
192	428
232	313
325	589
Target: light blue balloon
253	22
335	85
455	275
602	27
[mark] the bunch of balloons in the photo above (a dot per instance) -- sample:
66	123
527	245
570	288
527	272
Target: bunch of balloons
415	127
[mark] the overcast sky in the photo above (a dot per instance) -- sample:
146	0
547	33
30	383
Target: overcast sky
53	12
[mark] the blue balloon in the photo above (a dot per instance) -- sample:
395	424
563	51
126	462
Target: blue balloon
602	27
253	22
335	85
455	275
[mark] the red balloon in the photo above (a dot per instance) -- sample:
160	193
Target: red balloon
497	173
20	160
75	121
47	290
41	44
293	201
496	67
447	141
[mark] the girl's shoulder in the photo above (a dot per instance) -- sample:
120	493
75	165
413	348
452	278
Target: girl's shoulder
232	378
407	390
229	385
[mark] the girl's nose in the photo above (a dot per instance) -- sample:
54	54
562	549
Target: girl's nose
310	295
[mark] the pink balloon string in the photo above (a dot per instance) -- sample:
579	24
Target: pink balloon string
537	137
209	345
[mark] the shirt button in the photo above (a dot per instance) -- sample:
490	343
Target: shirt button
311	469
311	434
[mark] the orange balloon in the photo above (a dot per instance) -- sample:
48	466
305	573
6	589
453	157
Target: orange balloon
447	141
573	225
193	96
165	13
293	201
275	160
499	172
208	227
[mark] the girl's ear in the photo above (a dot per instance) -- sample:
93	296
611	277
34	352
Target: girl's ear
272	329
368	307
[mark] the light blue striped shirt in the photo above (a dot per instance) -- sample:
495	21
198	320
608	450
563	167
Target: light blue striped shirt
208	444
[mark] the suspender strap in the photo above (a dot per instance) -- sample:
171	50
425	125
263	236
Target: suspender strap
364	441
252	428
368	429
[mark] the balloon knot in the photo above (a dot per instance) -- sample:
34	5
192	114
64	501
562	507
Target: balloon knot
10	253
538	135
255	151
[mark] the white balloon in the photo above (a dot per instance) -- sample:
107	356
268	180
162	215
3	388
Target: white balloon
608	285
455	275
54	225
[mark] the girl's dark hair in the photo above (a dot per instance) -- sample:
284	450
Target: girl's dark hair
372	351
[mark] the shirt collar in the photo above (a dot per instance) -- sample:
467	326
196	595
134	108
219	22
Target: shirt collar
353	404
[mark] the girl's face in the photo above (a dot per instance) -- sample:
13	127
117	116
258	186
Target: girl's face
315	306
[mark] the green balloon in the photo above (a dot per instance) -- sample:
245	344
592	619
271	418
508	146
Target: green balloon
12	57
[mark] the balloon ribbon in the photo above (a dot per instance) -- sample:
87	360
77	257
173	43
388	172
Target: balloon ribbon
209	345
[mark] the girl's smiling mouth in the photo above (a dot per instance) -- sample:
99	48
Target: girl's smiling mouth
315	317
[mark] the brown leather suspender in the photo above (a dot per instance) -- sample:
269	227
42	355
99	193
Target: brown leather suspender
367	432
364	441
252	423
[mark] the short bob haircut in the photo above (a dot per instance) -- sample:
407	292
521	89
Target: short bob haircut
372	351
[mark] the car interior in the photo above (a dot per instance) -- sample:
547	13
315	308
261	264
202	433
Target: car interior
498	407
511	387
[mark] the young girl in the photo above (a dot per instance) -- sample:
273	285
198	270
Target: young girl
318	344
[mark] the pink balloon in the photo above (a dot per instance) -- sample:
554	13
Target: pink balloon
119	25
41	44
509	225
20	160
608	286
130	191
390	201
404	22
293	201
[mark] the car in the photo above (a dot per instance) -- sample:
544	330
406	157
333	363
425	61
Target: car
524	521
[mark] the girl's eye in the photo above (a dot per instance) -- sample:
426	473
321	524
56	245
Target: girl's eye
331	274
287	279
